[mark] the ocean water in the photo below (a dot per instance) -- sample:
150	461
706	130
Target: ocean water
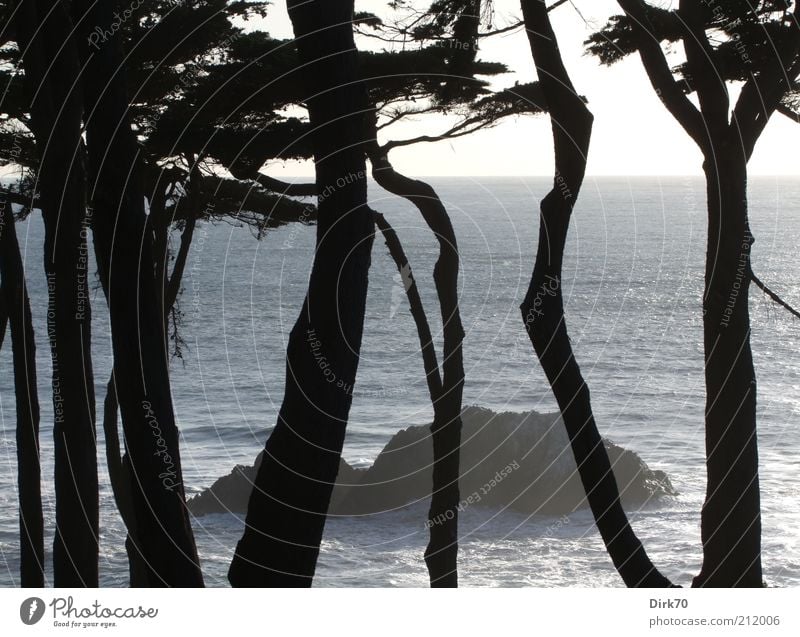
633	282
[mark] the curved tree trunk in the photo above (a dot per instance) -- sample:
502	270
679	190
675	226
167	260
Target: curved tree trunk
123	241
441	554
431	365
15	298
292	490
543	306
44	34
3	320
731	516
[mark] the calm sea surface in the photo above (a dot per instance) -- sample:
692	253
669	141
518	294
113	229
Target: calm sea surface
633	281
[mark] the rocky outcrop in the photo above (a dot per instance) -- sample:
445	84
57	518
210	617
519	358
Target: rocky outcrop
517	460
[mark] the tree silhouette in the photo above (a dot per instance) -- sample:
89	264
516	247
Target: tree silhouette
15	309
51	71
292	490
757	44
543	306
446	83
124	249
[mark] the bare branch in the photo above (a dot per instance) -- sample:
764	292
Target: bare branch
773	296
284	187
431	365
660	74
760	98
710	85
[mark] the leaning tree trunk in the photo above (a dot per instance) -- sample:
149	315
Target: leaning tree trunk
543	306
731	516
432	377
123	241
15	298
3	320
287	508
44	35
441	554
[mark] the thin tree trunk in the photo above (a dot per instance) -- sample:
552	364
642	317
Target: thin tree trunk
731	516
431	365
163	534
441	554
543	306
15	298
288	506
3	320
118	467
44	34
120	476
176	278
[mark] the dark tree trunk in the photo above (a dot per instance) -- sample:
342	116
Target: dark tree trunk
15	298
123	245
441	554
543	306
121	483
731	516
292	490
44	34
432	377
3	320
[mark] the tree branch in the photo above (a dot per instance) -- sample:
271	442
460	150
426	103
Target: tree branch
772	295
284	187
788	112
761	95
759	99
432	376
543	306
442	550
711	88
660	75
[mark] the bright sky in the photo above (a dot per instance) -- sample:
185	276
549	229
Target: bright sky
633	133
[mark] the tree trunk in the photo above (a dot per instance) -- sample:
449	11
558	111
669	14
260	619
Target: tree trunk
15	298
731	516
432	377
3	320
44	34
543	306
292	490
123	245
441	554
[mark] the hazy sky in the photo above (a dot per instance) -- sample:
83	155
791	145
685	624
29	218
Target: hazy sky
633	133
